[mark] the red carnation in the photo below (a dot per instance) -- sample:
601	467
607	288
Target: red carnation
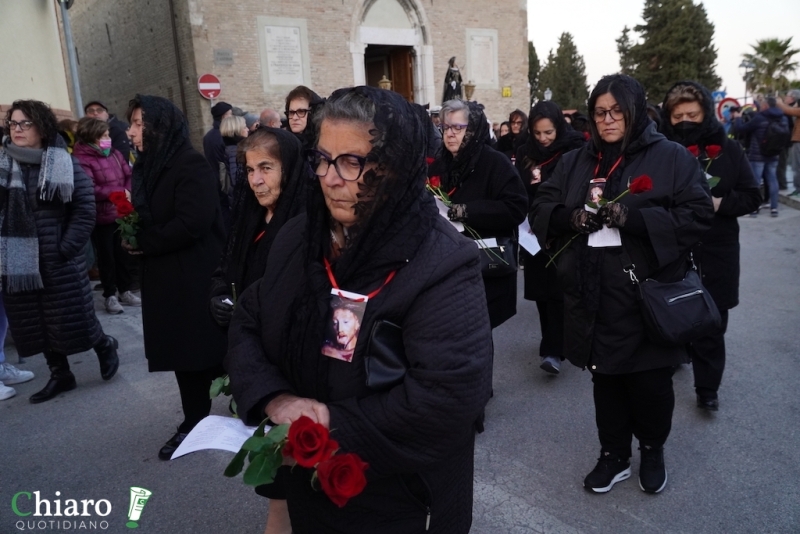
642	184
712	151
342	477
308	442
694	149
435	182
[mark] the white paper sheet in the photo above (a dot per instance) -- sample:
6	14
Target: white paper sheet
216	432
527	240
489	242
443	212
605	237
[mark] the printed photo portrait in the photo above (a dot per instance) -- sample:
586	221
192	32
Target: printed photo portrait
344	325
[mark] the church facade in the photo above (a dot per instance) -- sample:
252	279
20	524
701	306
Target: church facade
261	49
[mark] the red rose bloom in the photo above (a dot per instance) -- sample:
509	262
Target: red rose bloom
642	184
124	209
435	181
117	197
308	442
429	160
712	151
342	477
694	149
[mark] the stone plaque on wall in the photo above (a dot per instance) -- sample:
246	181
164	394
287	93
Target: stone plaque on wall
482	64
223	56
284	52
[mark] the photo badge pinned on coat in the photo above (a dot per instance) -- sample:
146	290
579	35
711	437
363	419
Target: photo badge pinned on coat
536	175
343	324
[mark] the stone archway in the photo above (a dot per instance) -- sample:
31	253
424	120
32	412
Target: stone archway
371	28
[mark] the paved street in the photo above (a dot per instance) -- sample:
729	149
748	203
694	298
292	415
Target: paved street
736	471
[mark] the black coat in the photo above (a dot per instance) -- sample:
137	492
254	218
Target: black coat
496	204
59	317
181	249
675	214
718	250
417	437
118	131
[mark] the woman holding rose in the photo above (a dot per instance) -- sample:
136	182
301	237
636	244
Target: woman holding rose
653	230
689	119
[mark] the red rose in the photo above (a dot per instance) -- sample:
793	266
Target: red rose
308	442
435	182
712	151
124	208
117	197
694	149
642	184
342	477
429	160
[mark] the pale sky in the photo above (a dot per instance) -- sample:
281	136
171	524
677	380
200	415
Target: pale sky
596	26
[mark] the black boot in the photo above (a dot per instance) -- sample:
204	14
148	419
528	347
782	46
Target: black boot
61	378
106	351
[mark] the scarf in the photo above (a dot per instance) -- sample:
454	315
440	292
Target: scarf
19	241
456	169
566	138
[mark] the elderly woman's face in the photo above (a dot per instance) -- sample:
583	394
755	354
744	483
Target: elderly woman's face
136	131
264	177
346	326
686	111
455	128
23	132
611	126
337	138
297	107
545	132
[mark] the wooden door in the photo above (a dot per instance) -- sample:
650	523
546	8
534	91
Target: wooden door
402	63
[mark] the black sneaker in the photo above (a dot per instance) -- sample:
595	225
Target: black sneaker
609	470
652	473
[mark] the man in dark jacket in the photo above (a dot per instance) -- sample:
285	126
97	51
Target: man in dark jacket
117	129
213	147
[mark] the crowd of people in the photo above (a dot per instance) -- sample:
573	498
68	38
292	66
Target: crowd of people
291	252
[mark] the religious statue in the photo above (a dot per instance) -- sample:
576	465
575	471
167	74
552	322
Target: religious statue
452	82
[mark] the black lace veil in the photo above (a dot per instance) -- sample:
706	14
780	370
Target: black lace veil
458	168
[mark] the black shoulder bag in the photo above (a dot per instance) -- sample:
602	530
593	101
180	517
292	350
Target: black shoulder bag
385	362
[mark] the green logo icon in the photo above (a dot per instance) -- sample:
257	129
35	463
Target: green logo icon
139	498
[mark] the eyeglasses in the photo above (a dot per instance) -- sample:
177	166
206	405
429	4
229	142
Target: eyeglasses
94	110
600	114
456	127
516	122
349	167
23	125
301	113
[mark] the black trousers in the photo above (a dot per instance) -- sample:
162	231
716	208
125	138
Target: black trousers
194	387
551	320
112	260
635	404
708	360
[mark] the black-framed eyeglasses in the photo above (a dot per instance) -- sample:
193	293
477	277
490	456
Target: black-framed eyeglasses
455	127
349	167
24	125
301	113
600	114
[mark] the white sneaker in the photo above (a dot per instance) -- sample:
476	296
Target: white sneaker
113	306
6	392
129	299
11	375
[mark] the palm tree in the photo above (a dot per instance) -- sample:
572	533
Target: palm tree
773	61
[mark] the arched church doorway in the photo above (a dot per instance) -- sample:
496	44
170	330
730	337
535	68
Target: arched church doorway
396	63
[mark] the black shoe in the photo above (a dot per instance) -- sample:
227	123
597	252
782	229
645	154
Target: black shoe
61	379
551	364
652	472
609	470
712	405
107	354
171	445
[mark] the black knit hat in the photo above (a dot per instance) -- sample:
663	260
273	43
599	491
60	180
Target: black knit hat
219	109
95	103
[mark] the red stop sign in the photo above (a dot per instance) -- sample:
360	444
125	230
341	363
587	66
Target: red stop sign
209	86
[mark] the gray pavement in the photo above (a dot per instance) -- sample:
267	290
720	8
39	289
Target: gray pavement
736	471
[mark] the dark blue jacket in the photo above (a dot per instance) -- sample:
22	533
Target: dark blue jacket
756	128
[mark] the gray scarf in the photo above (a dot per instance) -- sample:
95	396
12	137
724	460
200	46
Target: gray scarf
19	241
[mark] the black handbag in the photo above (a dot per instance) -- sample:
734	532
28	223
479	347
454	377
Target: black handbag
385	362
500	260
676	313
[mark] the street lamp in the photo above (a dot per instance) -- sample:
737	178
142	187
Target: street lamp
747	66
548	94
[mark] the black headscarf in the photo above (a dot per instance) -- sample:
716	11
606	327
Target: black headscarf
245	258
509	143
454	170
566	138
708	132
308	137
165	132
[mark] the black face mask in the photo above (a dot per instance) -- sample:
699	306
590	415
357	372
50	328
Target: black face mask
685	131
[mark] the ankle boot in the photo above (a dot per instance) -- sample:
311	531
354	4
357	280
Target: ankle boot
106	351
61	378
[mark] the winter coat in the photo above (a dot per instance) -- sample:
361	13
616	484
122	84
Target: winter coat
496	204
118	131
756	129
181	249
675	213
108	174
59	317
214	147
418	436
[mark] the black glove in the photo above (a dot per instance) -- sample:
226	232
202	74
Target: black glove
457	212
614	215
584	222
221	311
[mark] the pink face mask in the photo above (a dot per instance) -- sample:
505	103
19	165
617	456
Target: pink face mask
104	143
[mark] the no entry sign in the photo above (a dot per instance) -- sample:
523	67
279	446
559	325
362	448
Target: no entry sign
209	86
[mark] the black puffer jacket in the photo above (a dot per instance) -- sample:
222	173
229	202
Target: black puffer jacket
60	317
